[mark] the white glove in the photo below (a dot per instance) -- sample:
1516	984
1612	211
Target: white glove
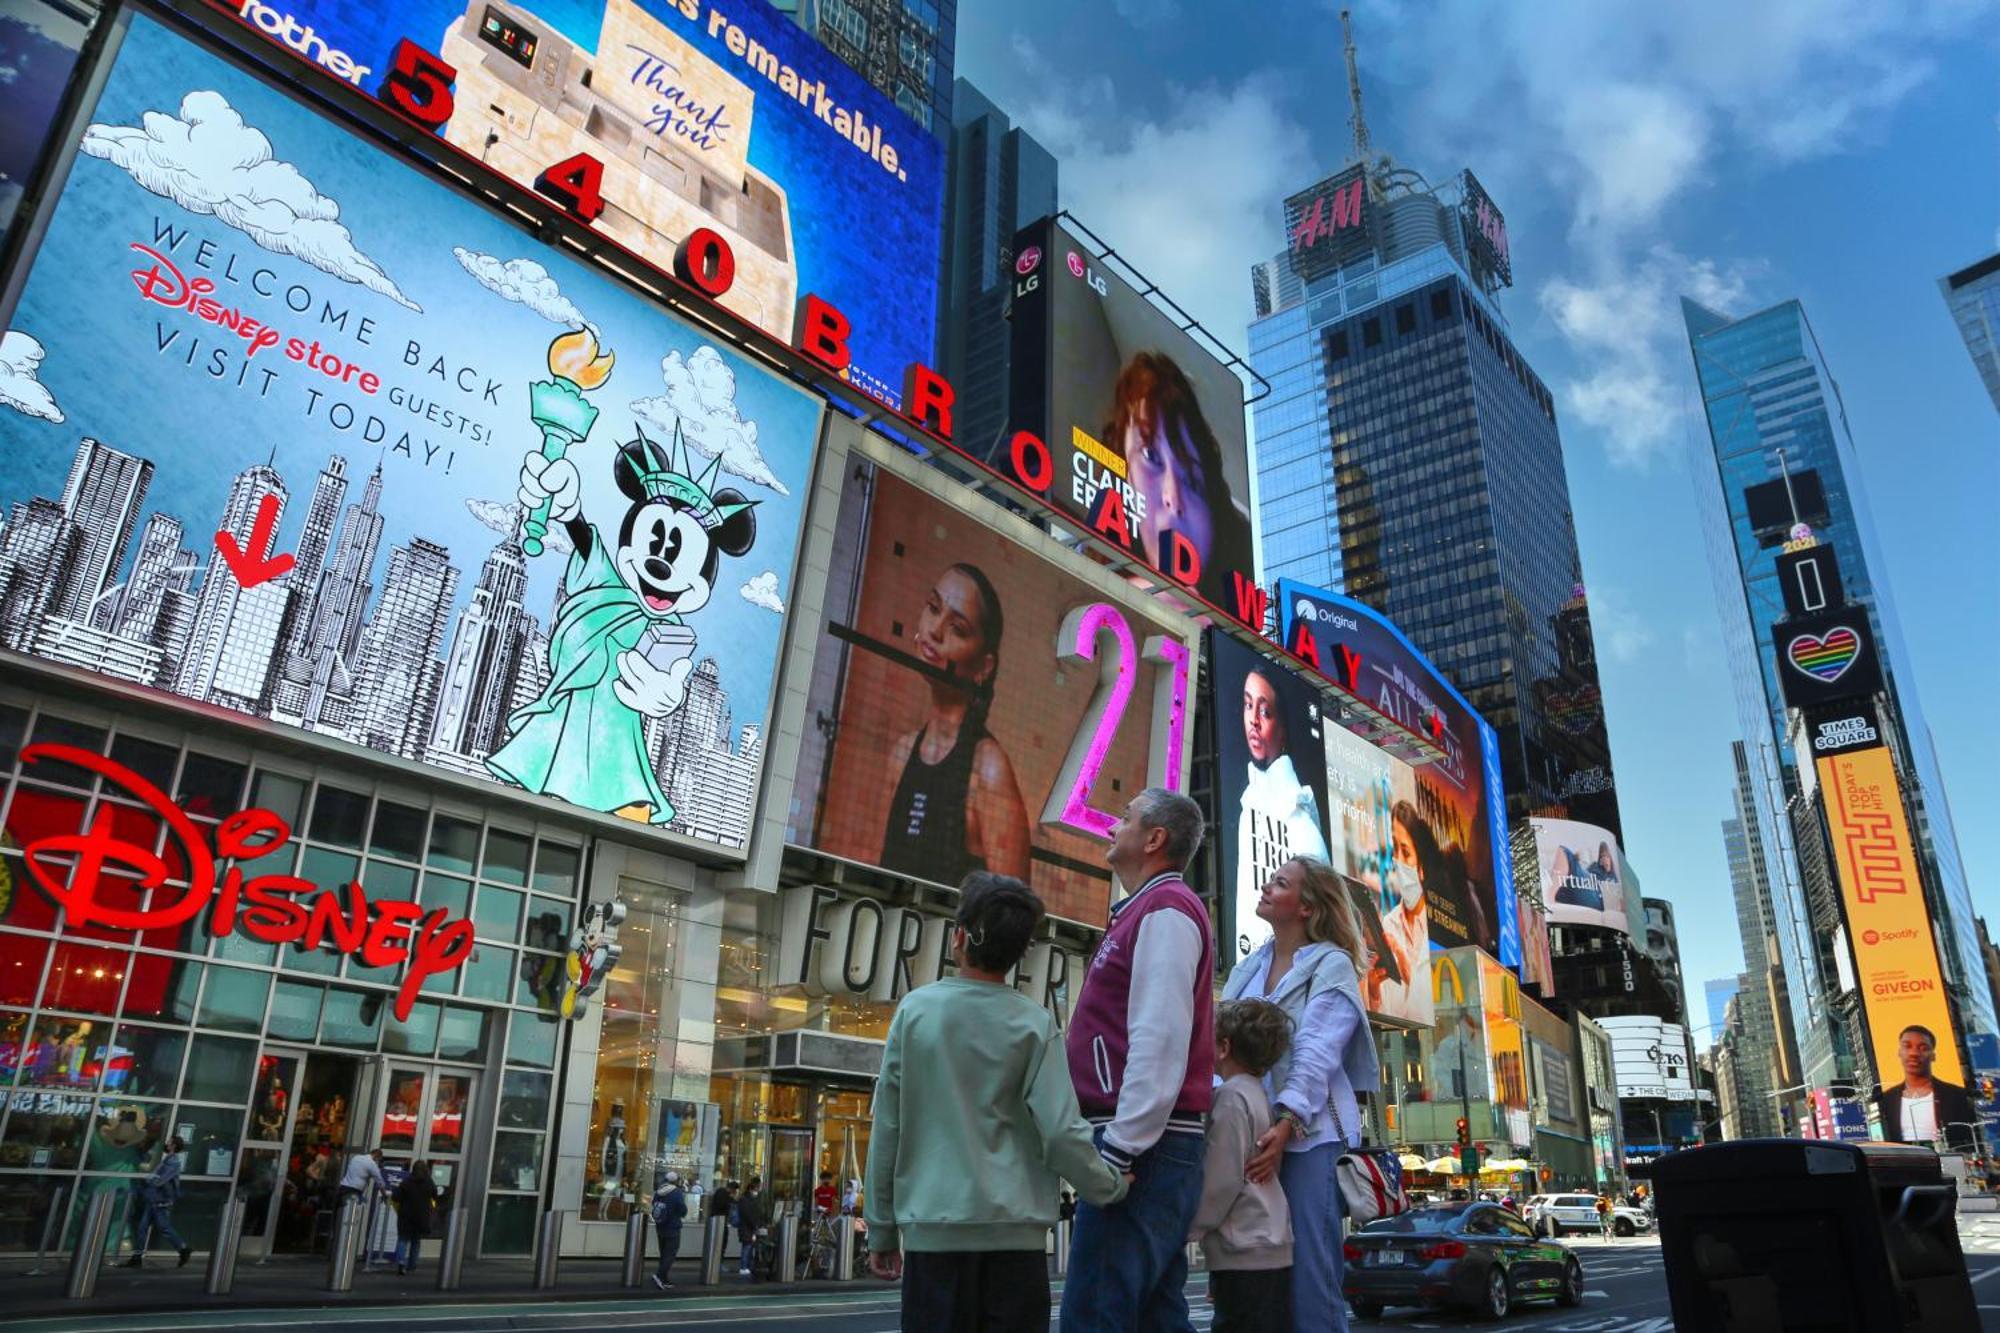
554	480
648	690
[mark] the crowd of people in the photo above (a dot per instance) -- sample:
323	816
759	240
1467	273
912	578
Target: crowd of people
1173	1117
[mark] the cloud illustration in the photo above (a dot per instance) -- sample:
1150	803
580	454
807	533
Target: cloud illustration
211	163
525	281
20	359
763	591
505	519
701	399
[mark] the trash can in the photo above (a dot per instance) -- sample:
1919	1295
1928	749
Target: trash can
1770	1234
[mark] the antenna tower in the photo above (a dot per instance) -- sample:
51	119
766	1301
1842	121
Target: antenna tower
1360	121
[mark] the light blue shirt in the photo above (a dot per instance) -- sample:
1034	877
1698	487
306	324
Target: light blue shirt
1332	1055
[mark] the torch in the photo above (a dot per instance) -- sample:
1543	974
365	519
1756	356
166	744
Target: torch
558	407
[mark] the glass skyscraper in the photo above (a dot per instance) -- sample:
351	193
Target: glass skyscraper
1408	456
1774	412
1973	293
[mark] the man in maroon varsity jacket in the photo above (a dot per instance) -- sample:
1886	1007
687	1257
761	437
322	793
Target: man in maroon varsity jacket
1142	1056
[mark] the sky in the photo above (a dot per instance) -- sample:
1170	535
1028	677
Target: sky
1837	151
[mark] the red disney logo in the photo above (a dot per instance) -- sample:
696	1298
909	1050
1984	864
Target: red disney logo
267	906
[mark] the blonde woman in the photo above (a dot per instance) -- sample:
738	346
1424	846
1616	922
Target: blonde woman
1308	969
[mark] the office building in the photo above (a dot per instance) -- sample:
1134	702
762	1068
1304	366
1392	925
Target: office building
1762	1034
905	48
1973	293
102	497
1000	181
1779	454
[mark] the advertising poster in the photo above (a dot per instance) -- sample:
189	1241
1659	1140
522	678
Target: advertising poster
1147	445
308	436
1458	807
1583	874
1376	837
1895	953
1460	1066
1500	1000
969	730
704	113
39	47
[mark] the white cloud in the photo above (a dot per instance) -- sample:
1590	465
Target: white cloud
763	591
20	389
525	281
211	163
505	519
1191	198
1621	633
701	400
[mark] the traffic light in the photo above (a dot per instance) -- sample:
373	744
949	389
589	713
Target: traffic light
1464	1131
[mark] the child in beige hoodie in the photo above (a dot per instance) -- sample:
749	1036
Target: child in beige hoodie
1245	1230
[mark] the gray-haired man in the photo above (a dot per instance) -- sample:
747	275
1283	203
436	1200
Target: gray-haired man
1142	1056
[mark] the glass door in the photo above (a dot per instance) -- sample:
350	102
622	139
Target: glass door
324	1127
791	1167
423	1119
260	1170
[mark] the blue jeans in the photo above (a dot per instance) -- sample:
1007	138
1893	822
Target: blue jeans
670	1246
408	1248
154	1217
1128	1262
1313	1195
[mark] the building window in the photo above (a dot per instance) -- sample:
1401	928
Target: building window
1441	304
845	21
914	103
1406	320
1336	346
917	59
1371	333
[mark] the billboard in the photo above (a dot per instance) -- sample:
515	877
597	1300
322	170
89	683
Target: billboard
1330	224
39	48
1649	1058
1828	658
310	437
725	115
1143	427
988	700
1895	954
1500	1000
1485	233
1377	674
1583	874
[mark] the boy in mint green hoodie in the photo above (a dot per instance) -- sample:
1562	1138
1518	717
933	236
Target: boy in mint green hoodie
975	1121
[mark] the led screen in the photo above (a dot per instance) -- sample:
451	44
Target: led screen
986	700
1584	875
274	452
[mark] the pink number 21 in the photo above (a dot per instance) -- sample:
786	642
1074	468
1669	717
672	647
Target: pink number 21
1069	800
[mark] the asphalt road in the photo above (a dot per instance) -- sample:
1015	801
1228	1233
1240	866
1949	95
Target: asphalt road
1625	1292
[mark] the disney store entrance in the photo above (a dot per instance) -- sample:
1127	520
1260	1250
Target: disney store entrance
310	1109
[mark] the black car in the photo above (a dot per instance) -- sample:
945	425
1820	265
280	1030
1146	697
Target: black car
1477	1256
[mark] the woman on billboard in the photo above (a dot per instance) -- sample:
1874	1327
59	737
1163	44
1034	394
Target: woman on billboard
1174	462
1406	925
1310	969
957	806
1279	815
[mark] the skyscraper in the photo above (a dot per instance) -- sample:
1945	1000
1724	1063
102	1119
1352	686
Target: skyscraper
1000	181
1763	1033
396	670
1778	453
310	557
102	497
233	646
1973	293
480	670
319	667
40	543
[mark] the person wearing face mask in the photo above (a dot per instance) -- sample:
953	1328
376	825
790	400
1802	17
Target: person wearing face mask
1279	817
957	806
1308	969
1406	921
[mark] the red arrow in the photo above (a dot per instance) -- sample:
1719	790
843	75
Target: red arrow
251	570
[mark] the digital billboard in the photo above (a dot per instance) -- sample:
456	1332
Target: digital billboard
1584	874
1485	233
1500	1000
1287	785
987	700
1827	658
721	114
1377	674
1330	224
39	47
1145	442
309	436
1895	954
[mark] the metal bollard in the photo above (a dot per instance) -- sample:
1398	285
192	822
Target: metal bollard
88	1256
711	1250
635	1250
343	1246
843	1254
1062	1247
548	1246
49	1224
228	1239
451	1255
788	1249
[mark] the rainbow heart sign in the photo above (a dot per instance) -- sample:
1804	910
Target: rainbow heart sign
1825	657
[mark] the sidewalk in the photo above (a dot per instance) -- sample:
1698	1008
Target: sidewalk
300	1283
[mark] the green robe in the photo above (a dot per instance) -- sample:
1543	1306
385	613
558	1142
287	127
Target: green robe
579	741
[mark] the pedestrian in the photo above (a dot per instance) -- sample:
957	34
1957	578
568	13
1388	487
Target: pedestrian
1245	1227
416	1214
1307	969
826	1198
1141	1047
975	1124
670	1210
364	1172
749	1221
153	1206
1604	1217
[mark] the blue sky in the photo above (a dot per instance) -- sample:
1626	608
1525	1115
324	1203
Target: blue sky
1833	150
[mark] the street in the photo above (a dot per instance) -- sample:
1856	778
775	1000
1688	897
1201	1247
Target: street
1625	1292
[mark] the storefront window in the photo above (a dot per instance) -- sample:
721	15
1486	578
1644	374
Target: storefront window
462	1035
506	857
295	1011
64	1053
416	1037
145	1062
524	1099
352	1018
338	818
498	915
517	1161
531	1038
489	973
209	787
123	1132
45	1130
219	1070
398	831
21	960
213	1135
446	891
454	845
555	869
85	978
235	999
